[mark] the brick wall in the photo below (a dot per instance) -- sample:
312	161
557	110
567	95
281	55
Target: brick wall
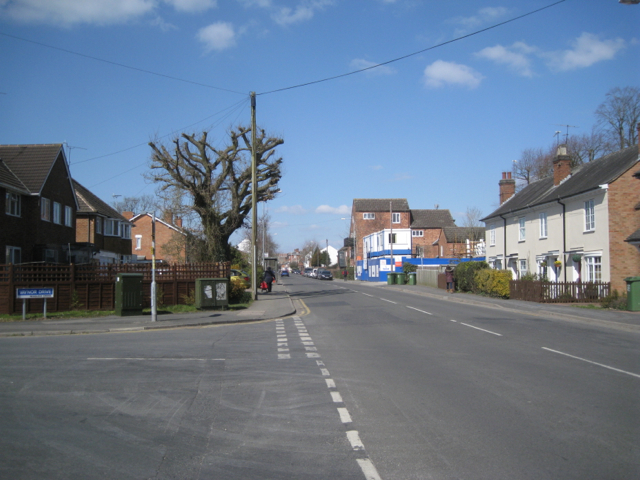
426	242
165	236
366	227
624	219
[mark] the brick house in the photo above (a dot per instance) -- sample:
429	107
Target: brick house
102	234
634	238
570	226
37	204
171	238
461	242
427	234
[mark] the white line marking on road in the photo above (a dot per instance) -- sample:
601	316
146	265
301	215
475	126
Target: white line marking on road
418	310
366	294
330	383
594	363
325	372
283	344
481	329
320	363
369	470
308	343
344	415
311	349
313	355
143	359
454	321
354	440
385	300
284	356
283	349
337	398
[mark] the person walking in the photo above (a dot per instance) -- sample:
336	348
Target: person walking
344	274
269	277
448	272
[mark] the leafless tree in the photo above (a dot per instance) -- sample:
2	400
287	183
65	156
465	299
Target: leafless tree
587	147
619	114
216	183
533	165
142	204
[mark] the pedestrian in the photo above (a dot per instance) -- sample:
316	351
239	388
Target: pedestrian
448	272
269	277
344	274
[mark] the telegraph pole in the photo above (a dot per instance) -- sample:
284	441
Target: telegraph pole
154	297
254	202
393	264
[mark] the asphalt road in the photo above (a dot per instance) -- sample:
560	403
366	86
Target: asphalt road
364	383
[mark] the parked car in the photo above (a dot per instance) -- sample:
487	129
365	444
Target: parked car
324	274
296	271
307	271
314	273
284	273
242	276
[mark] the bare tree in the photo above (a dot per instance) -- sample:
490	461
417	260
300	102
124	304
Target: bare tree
587	147
142	204
533	165
217	183
619	114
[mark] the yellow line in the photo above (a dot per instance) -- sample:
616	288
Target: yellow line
308	311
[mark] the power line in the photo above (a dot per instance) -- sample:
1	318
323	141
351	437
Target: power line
413	54
98	59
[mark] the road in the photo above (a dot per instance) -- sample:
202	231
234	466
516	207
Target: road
364	383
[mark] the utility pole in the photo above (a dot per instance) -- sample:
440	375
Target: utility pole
393	264
254	201
154	297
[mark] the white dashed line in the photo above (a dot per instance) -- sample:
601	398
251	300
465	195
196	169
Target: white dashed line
481	329
344	415
385	300
324	372
367	294
354	440
370	472
336	397
418	310
330	383
593	363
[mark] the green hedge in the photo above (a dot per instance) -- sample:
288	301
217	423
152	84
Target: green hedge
493	282
464	275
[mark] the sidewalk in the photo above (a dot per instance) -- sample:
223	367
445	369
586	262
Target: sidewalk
269	306
629	321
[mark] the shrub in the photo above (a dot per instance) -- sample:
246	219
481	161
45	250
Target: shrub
236	291
614	301
493	282
464	275
76	303
189	298
409	267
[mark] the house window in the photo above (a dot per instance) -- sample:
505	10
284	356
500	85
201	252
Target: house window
543	225
45	209
395	218
125	229
57	213
111	227
138	242
13	255
68	216
99	225
50	256
369	216
523	267
392	238
589	216
522	231
417	233
593	269
12	204
492	234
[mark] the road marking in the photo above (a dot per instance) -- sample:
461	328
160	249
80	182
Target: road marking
418	310
369	470
144	359
284	356
324	372
366	294
594	363
313	355
454	321
344	415
337	398
481	329
385	300
354	440
330	383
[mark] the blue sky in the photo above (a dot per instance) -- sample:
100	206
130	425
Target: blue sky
437	127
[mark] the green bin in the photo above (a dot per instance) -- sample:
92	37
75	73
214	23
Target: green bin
412	278
633	293
212	292
391	278
128	294
400	278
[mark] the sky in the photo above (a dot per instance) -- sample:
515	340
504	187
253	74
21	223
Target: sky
462	89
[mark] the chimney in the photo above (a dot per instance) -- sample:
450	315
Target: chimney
179	222
128	215
507	187
561	165
167	217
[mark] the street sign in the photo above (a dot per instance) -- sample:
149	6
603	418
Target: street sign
34	292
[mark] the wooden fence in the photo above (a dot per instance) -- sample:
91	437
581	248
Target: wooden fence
94	285
562	292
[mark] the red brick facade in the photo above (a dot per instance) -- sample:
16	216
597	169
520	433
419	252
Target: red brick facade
170	241
361	227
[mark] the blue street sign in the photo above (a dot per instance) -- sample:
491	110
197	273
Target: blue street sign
46	292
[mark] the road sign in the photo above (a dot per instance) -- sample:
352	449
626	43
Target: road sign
46	292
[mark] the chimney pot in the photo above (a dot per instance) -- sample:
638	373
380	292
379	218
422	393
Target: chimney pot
561	165
507	187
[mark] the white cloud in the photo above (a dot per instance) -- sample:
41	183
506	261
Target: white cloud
192	5
257	3
587	50
294	210
361	64
341	210
304	11
483	17
515	57
217	36
441	73
164	26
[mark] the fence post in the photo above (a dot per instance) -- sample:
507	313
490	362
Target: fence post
12	300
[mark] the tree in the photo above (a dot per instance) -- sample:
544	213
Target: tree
619	114
533	165
586	148
217	182
143	204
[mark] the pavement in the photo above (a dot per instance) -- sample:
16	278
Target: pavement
278	304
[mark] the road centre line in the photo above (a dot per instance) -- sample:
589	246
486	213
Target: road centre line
143	359
418	310
481	329
366	294
385	300
369	470
593	363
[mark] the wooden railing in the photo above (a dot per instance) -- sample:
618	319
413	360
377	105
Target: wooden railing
93	286
561	292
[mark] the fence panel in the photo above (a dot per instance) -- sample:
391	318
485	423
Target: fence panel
561	292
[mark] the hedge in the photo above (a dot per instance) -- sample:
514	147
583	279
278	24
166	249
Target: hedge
493	282
464	275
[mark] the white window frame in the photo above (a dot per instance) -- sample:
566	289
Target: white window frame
492	234
68	216
125	230
543	225
99	223
589	216
522	229
138	242
593	268
13	203
11	253
45	209
369	216
57	213
522	267
395	217
417	233
111	228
